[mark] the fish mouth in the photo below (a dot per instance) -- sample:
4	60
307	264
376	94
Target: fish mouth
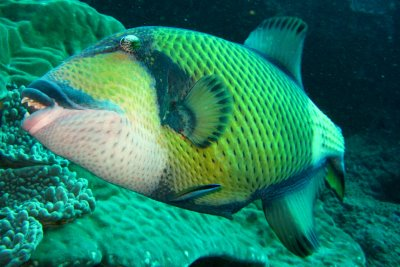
35	100
39	114
44	102
47	101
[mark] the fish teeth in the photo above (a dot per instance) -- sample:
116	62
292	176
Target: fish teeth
38	106
25	100
32	103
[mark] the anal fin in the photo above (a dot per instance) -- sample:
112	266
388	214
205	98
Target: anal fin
290	214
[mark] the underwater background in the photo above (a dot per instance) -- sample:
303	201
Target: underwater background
54	213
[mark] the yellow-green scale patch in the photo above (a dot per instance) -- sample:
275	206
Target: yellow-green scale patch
268	138
121	89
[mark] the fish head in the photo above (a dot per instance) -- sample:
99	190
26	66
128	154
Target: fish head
99	109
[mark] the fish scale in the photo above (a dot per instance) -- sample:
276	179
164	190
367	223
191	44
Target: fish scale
266	89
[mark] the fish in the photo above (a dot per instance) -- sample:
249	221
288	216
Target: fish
197	122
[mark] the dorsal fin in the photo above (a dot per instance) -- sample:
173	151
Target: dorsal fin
281	39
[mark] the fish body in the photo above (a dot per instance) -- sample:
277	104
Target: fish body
196	121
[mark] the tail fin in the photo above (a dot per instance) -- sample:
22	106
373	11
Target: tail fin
333	146
329	145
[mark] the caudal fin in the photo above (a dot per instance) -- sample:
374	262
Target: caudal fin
335	176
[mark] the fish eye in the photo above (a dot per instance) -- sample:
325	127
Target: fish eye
129	43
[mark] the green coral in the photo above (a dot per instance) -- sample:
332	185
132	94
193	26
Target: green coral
20	235
36	36
36	188
51	194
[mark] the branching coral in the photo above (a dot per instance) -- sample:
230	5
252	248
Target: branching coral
20	234
36	188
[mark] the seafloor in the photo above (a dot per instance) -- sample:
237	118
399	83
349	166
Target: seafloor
53	213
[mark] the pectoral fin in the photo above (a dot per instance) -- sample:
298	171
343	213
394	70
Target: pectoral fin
195	192
203	114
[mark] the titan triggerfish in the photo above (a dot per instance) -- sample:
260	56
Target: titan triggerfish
197	122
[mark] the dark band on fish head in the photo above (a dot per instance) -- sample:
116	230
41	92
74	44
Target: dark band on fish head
172	83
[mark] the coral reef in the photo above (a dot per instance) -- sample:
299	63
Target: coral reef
51	194
20	234
36	36
36	188
17	147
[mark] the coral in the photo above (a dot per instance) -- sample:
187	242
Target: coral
20	234
36	188
3	92
36	36
51	194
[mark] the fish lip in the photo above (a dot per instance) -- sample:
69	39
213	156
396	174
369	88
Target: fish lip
41	118
44	100
45	89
